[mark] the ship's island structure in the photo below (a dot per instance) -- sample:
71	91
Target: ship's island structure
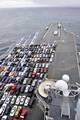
40	78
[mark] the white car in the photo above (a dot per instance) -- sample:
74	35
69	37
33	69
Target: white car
52	56
2	73
4	96
25	81
51	59
13	69
4	117
7	101
20	73
34	82
29	53
2	109
40	55
37	55
18	100
27	88
27	101
22	99
55	33
59	25
17	78
36	65
47	65
47	28
43	65
18	50
43	55
35	70
9	63
13	111
51	50
25	69
35	59
46	56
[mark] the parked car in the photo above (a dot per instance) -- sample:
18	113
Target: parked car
32	100
31	89
13	110
5	117
22	88
7	111
1	103
17	113
2	109
4	96
25	81
8	99
27	88
13	99
34	82
22	99
24	112
18	100
27	101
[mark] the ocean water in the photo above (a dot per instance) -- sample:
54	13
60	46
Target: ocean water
16	23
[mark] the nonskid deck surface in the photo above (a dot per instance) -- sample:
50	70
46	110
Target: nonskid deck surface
66	61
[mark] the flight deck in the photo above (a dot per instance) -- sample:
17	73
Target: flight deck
66	60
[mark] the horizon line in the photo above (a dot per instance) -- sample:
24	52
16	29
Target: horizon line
43	7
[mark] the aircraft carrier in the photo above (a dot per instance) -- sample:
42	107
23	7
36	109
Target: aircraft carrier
65	61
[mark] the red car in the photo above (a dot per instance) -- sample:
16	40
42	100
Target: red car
24	112
15	118
1	87
12	88
33	74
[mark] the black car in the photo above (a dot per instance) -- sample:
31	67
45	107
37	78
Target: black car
22	88
29	81
32	100
7	111
18	89
30	75
31	89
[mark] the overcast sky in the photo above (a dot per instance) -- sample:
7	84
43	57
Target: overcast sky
36	3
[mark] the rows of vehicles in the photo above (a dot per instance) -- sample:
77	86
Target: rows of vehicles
20	73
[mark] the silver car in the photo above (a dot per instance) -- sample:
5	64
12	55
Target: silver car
13	99
34	82
22	99
18	100
7	101
25	81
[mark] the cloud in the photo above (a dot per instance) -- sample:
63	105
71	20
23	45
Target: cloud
34	3
58	2
16	3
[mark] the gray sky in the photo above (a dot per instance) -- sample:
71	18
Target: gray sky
36	3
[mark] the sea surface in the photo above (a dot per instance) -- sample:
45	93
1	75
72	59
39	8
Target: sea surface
19	23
